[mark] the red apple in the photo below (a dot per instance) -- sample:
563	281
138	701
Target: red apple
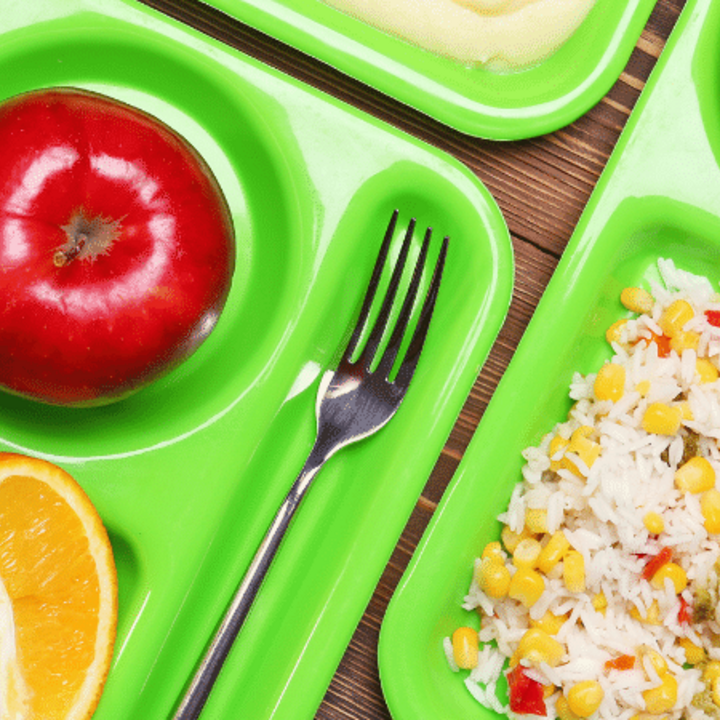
116	247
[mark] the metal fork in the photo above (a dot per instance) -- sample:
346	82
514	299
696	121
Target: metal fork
353	402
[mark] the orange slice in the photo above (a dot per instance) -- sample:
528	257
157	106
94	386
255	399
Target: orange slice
57	567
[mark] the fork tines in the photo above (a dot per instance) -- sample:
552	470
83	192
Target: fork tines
410	358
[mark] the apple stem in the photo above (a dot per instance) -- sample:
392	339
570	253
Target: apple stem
64	256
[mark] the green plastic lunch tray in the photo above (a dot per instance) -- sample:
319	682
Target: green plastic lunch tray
475	101
659	196
187	473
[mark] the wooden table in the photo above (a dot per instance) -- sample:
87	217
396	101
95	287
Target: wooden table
541	186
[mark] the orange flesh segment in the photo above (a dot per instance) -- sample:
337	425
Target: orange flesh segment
51	577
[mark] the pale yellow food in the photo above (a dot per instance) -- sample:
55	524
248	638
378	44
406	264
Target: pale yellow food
501	34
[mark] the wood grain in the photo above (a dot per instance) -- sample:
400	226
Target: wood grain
541	186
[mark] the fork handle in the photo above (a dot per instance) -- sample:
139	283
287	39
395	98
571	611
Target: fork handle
207	672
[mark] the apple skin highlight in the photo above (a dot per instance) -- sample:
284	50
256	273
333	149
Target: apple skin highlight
117	248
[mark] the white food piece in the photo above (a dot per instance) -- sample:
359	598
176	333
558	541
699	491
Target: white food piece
13	693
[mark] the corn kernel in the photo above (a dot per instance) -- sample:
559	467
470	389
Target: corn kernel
685	412
614	332
695	476
643	387
653	614
694	654
706	370
674	573
553	551
465	648
637	300
711	671
557	444
574	571
527	586
536	520
536	646
527	553
579	437
710	509
675	317
562	709
654	523
651	617
610	382
494	551
660	699
568	464
584	698
682	341
715	689
510	538
548	690
661	419
587	450
492	577
549	623
657	661
599	602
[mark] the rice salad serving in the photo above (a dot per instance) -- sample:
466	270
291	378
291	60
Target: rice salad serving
601	597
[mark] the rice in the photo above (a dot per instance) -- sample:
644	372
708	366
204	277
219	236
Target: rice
639	628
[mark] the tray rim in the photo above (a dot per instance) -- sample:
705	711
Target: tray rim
434	98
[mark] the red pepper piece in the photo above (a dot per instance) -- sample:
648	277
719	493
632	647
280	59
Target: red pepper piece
622	662
685	612
656	562
663	345
662	342
713	317
526	694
